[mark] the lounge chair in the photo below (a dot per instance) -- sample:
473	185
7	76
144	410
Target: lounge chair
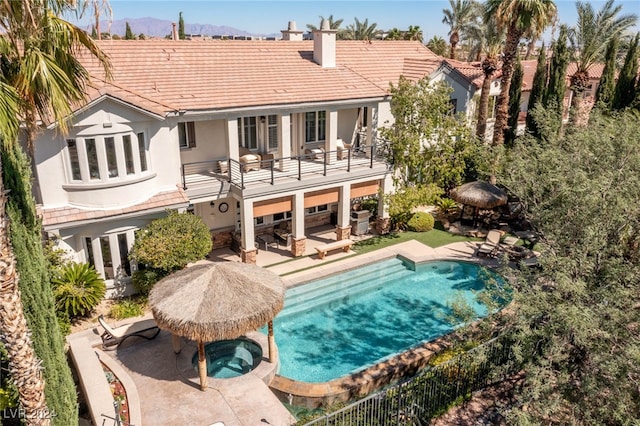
314	153
343	149
491	245
115	336
510	240
249	160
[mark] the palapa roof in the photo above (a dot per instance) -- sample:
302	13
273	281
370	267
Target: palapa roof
216	301
480	194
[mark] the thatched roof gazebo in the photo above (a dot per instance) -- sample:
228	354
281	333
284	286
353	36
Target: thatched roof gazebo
479	194
216	301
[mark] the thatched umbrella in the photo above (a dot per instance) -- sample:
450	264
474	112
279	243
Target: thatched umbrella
479	194
216	301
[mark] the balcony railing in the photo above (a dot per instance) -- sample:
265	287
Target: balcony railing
283	169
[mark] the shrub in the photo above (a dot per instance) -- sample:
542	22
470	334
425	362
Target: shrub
143	280
370	204
64	323
421	222
127	308
447	205
77	289
172	242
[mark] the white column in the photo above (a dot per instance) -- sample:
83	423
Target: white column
232	138
284	138
344	205
297	222
246	224
331	133
369	131
387	188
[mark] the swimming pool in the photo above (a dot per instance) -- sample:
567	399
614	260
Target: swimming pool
340	324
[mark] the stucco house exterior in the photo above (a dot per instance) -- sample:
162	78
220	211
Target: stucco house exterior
248	135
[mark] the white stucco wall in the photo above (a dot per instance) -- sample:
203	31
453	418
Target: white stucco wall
54	169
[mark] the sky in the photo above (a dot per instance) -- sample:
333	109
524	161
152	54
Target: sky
269	17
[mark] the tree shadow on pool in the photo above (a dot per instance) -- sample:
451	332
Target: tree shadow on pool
372	333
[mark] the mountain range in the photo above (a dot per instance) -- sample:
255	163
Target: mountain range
152	27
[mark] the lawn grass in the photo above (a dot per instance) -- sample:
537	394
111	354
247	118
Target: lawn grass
435	238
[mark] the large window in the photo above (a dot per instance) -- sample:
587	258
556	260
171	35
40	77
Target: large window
109	254
248	132
92	158
73	157
314	126
187	134
272	131
107	158
112	159
142	152
128	154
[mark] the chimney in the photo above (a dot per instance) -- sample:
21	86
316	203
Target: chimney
324	45
174	31
292	33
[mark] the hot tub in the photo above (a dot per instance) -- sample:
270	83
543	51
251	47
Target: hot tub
230	358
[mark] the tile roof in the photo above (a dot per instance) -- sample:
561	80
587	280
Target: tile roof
471	71
68	215
218	74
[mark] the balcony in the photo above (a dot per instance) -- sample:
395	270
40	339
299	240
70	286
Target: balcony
209	178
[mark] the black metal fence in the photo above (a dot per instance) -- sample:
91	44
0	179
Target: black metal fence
420	398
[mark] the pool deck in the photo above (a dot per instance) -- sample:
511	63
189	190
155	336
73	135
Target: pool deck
162	387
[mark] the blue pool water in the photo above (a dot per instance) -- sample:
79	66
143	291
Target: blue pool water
346	322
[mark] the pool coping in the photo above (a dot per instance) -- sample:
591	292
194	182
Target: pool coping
389	370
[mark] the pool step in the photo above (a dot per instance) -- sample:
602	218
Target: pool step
338	281
337	296
342	280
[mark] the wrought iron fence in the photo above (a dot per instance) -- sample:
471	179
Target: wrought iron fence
420	398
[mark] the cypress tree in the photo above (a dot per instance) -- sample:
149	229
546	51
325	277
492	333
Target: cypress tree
94	33
557	86
515	93
181	35
537	89
128	34
607	86
626	86
37	297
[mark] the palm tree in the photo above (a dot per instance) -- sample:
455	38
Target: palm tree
98	7
458	18
519	18
437	45
41	77
361	30
333	24
589	39
394	34
413	33
493	42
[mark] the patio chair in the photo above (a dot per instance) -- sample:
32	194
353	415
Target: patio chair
491	245
314	153
115	336
510	240
249	160
343	149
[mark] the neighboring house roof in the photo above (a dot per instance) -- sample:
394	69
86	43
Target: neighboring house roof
472	71
221	74
595	70
53	218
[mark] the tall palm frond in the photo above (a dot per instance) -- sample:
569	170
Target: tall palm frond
333	24
592	33
459	18
520	18
361	30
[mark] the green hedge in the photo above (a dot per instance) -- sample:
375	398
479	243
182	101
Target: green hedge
421	222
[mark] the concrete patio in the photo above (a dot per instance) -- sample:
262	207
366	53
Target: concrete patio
162	387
